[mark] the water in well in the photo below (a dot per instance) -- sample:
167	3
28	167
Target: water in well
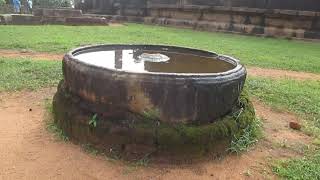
137	60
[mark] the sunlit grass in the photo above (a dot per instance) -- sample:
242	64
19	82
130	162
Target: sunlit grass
253	51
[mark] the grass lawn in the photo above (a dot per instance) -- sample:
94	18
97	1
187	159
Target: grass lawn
18	74
253	51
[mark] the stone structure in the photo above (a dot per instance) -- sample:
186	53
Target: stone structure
65	16
280	18
62	12
104	6
133	7
160	115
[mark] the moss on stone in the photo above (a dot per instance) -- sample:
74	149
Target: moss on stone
151	114
191	139
205	137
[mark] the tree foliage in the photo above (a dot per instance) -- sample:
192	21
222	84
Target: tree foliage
2	2
52	3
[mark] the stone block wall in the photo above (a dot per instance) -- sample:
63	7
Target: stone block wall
301	5
279	18
52	16
279	23
62	12
114	6
254	17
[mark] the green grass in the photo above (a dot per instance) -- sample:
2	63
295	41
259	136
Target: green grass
249	136
93	121
254	51
301	97
18	74
305	168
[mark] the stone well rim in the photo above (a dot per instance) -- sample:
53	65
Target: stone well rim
238	67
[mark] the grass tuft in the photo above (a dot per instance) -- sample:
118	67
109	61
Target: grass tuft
88	148
144	161
93	121
248	137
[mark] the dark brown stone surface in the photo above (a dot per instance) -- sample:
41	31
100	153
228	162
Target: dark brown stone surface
86	21
286	23
276	26
111	6
174	97
135	137
23	19
66	12
52	20
26	19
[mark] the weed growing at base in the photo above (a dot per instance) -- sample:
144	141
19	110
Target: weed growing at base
248	137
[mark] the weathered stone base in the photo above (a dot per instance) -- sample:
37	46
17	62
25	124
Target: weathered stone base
138	136
217	26
60	12
252	21
25	19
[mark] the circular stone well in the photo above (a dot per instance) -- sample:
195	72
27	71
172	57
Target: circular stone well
142	99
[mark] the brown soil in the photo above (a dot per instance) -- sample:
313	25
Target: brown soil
29	151
252	71
114	24
29	54
278	74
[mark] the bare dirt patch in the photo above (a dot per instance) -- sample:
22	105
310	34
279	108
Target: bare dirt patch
277	124
278	74
114	24
29	151
29	54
